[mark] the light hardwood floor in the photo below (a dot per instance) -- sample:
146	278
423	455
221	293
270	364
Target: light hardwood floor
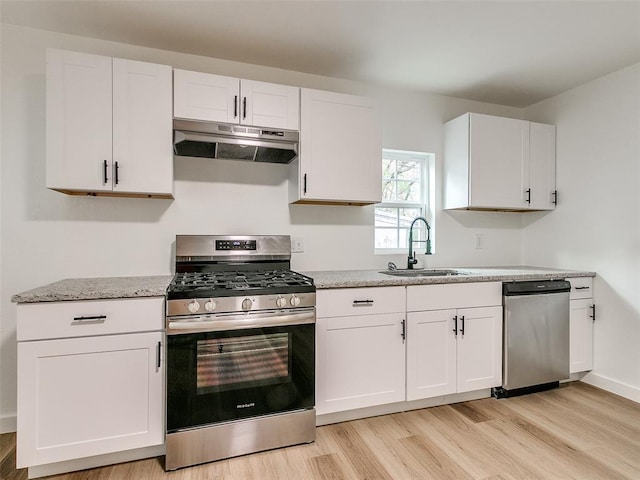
574	432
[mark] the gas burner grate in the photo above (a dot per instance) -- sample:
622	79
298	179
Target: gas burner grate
229	283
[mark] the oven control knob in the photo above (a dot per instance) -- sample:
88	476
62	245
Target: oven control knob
295	300
246	304
193	307
281	301
210	306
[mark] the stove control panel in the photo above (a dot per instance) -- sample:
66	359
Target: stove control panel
204	306
236	244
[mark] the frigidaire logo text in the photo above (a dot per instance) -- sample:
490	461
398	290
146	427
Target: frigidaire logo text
246	405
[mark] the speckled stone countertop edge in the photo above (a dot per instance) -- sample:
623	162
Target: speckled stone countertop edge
106	288
374	278
100	288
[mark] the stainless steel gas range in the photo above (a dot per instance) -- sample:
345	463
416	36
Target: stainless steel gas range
240	349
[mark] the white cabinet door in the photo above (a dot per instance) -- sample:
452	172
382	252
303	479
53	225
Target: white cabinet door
499	161
89	396
203	96
215	98
431	354
108	125
340	157
479	348
270	105
542	166
79	121
360	362
142	128
581	335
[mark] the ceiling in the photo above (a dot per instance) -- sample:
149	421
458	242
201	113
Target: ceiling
507	52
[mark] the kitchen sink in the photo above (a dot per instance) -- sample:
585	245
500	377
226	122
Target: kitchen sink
422	272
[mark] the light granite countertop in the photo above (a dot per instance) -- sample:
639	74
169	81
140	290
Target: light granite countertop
96	288
373	278
156	286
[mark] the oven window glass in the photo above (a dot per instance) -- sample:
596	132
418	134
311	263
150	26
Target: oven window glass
230	363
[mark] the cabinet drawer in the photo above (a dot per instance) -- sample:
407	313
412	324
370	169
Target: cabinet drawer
460	295
38	321
581	287
360	301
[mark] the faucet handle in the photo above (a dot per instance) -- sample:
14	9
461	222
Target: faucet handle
392	266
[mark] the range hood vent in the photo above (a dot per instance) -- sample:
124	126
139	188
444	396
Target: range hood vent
234	142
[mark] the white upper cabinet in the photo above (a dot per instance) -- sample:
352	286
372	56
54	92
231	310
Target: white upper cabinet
497	163
215	98
79	121
340	159
542	166
109	128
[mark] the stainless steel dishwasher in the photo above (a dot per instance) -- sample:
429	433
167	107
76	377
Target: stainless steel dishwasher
535	336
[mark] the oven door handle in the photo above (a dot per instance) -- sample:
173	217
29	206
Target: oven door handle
239	322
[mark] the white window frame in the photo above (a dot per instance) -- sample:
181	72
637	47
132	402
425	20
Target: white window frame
425	203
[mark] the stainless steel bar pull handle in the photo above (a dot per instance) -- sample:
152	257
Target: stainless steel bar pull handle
363	303
89	320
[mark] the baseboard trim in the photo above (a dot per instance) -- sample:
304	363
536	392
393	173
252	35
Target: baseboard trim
614	386
96	461
348	415
8	423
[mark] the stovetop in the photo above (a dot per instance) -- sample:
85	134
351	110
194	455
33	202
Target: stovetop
238	283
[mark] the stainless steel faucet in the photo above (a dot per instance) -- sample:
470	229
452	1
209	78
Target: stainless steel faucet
412	260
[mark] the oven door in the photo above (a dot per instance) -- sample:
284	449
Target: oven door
232	367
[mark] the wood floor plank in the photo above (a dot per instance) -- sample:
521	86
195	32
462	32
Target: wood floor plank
476	452
326	467
382	436
627	463
543	453
574	432
8	469
427	461
362	459
570	424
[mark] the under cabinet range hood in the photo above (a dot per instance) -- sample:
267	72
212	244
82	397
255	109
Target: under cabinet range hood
234	142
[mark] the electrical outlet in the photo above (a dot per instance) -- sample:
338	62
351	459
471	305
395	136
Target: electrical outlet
297	245
479	241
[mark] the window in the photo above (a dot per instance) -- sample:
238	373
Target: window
405	195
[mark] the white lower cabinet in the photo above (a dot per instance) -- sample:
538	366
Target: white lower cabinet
453	351
581	318
360	355
383	345
89	395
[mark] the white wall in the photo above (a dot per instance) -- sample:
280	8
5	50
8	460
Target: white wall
597	223
47	236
